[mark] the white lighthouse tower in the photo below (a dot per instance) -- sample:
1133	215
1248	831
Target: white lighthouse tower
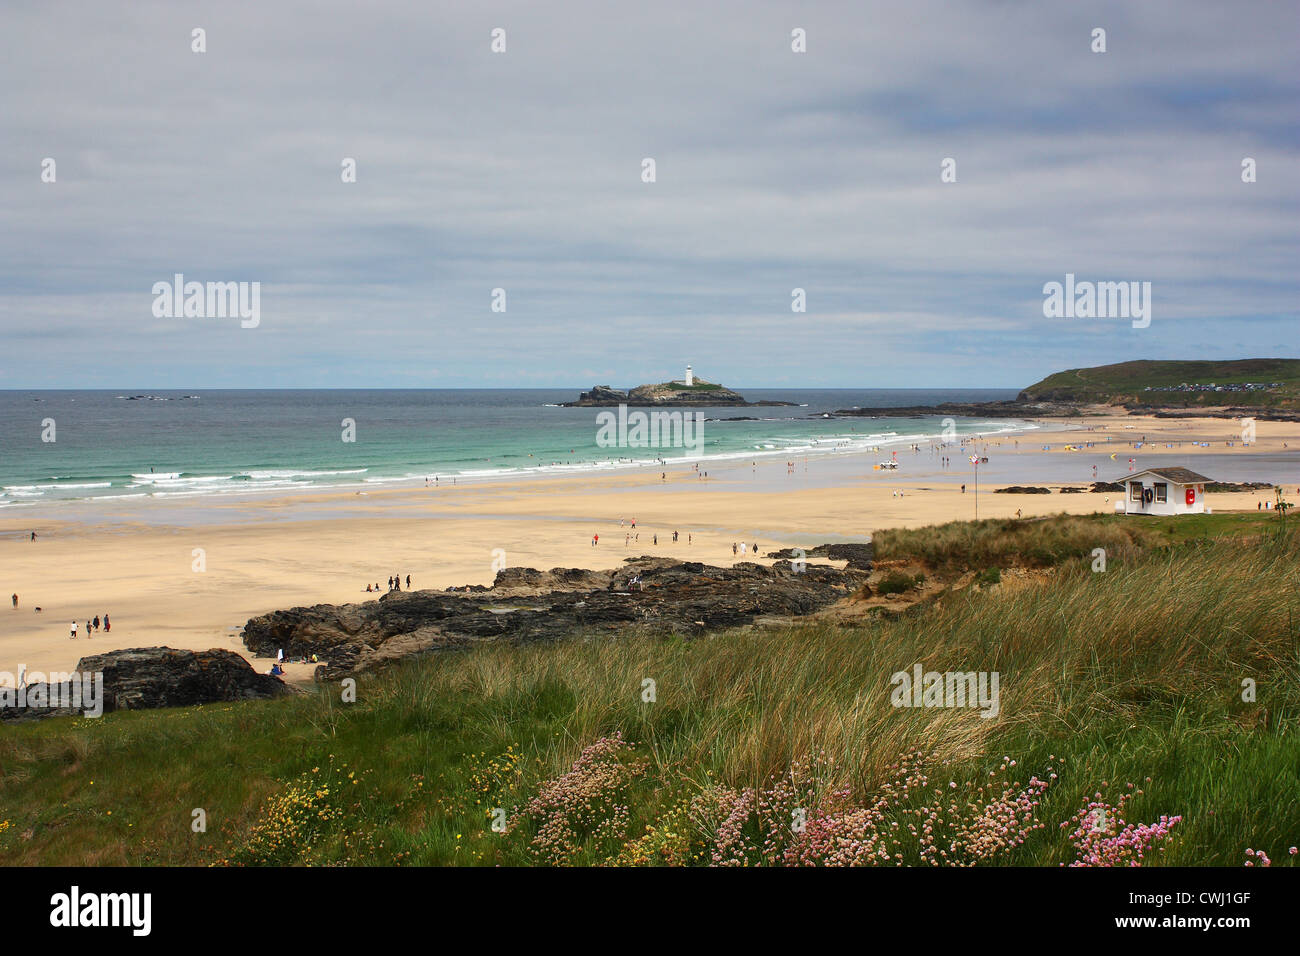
690	377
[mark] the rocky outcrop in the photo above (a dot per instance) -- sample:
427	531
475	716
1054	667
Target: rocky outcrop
1016	409
1238	486
645	595
600	395
1022	490
858	556
147	677
701	394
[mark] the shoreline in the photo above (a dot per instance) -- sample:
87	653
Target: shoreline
872	443
140	564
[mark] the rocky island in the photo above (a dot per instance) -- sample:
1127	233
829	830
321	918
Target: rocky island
689	391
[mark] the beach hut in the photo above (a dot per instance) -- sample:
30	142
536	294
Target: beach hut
1164	491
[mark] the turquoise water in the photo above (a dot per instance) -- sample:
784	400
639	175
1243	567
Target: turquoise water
170	444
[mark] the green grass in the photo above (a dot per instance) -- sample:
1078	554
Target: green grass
1047	542
896	582
1124	383
1116	676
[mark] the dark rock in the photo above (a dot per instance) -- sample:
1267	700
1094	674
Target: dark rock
525	604
140	678
601	395
146	677
1022	490
701	394
1016	409
1110	487
858	556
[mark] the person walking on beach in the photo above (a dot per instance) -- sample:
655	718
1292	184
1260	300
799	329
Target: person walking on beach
595	538
15	602
33	535
408	582
88	634
72	636
107	627
390	582
96	622
656	539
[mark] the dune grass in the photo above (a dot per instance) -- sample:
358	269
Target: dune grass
1106	679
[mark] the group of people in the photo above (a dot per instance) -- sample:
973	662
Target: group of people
91	625
394	584
742	546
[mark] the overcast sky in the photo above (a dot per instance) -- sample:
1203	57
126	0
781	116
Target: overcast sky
523	170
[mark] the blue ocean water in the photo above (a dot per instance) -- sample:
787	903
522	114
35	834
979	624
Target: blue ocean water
112	444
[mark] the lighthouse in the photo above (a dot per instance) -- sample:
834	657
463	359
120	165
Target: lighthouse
690	377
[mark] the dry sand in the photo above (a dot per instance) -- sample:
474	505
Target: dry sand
286	551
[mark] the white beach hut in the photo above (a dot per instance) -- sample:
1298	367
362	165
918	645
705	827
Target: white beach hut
1165	491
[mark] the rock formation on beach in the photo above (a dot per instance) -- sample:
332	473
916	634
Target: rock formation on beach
140	678
525	604
1016	409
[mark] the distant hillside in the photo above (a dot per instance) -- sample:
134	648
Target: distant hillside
1267	383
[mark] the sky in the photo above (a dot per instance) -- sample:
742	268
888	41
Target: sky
522	170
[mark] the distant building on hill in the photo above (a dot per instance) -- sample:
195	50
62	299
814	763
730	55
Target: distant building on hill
1165	491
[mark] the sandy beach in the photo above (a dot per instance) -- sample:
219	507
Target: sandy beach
188	575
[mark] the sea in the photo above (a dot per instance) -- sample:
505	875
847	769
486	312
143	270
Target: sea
112	445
